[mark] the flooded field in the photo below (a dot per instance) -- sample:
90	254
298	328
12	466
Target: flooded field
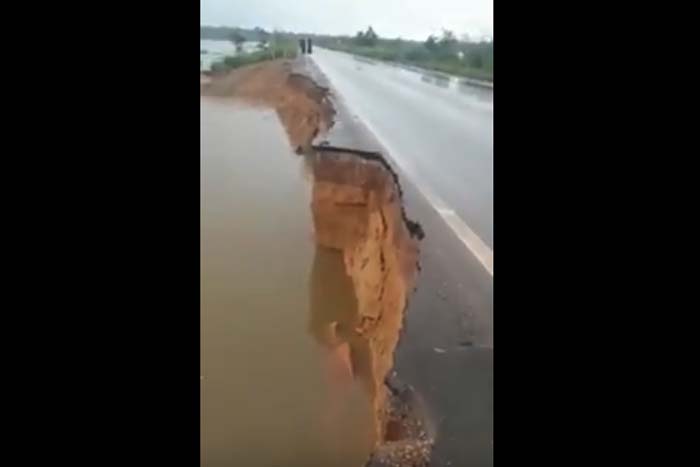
211	51
277	389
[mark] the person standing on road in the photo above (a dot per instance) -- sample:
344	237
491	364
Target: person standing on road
305	46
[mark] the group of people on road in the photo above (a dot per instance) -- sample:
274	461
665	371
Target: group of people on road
305	46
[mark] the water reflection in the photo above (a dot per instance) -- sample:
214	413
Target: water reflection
332	299
333	318
366	60
436	79
466	87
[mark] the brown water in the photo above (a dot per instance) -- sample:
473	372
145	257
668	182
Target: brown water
273	393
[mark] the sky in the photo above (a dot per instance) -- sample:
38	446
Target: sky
409	19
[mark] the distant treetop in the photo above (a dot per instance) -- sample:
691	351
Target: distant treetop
368	38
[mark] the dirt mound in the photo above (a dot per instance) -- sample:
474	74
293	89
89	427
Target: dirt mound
302	106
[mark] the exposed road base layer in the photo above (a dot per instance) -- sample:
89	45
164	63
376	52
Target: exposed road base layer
357	209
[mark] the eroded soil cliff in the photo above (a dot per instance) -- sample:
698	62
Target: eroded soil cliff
356	206
302	106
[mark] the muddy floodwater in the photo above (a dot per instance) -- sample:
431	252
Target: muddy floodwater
274	392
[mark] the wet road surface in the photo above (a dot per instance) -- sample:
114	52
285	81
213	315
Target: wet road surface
438	130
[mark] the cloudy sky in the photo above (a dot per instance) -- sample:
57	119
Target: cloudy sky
411	19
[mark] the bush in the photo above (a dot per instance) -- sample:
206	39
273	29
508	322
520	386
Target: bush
386	54
218	67
233	61
475	60
417	54
368	38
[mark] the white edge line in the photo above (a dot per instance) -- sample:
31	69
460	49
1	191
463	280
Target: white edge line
471	240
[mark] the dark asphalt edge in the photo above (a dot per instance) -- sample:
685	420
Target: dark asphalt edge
413	227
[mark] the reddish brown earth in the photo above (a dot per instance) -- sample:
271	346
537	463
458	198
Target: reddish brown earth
302	106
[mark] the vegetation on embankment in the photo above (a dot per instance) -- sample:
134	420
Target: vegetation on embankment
447	54
267	51
271	45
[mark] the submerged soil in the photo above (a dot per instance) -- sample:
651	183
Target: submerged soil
358	219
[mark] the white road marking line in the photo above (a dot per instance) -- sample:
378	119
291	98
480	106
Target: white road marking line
471	240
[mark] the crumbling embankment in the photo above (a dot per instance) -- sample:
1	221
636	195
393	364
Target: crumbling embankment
357	209
301	105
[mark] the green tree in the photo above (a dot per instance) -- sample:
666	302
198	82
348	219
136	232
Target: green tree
263	36
371	37
237	38
448	37
448	43
431	43
368	38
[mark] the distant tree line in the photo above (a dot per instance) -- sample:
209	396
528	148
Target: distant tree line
445	52
368	38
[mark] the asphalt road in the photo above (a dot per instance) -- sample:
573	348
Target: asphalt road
438	130
439	137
